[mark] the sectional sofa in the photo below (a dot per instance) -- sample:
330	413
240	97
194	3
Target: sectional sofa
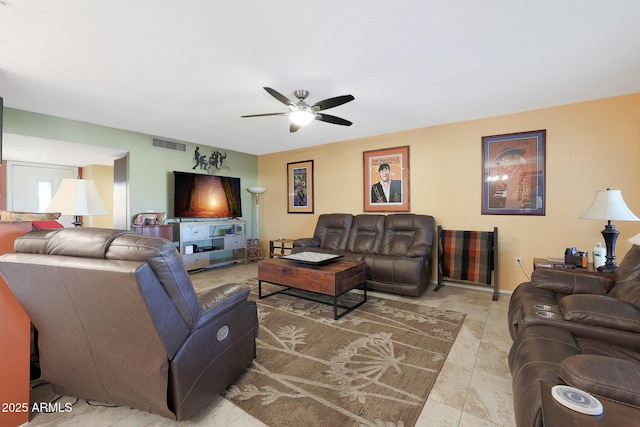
576	329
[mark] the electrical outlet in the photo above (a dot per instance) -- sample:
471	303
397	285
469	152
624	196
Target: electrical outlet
518	261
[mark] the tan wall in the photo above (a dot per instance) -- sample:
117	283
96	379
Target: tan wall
103	177
590	146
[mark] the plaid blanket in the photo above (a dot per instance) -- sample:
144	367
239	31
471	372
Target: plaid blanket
467	255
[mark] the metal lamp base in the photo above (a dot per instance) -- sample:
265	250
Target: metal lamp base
610	235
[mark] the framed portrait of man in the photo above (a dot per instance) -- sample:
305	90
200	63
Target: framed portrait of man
513	174
386	180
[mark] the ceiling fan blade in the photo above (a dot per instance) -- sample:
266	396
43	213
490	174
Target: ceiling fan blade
333	119
332	102
265	114
293	127
280	97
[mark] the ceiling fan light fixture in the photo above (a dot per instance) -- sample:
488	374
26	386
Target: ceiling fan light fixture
301	114
301	117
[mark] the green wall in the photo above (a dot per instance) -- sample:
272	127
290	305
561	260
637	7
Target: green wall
150	178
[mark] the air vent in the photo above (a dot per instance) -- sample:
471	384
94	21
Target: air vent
168	145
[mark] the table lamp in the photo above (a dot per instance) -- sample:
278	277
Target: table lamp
609	205
77	197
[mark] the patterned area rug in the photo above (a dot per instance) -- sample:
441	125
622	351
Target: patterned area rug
373	367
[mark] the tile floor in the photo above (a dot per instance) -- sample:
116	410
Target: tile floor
473	389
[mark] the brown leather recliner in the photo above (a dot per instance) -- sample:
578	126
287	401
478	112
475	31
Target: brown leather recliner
397	248
576	329
120	322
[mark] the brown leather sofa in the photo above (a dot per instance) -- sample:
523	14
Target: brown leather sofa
397	248
120	322
577	329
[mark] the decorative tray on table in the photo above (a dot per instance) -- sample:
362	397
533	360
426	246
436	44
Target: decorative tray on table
312	258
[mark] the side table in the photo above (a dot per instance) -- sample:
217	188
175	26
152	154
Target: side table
281	244
156	230
254	250
590	269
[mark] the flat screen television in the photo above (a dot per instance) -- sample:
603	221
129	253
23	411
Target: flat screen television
206	196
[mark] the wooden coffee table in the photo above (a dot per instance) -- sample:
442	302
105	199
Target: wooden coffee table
333	279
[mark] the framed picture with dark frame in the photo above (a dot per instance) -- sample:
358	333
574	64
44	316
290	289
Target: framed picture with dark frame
386	180
513	173
300	187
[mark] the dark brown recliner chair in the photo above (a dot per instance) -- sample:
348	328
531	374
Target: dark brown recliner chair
120	322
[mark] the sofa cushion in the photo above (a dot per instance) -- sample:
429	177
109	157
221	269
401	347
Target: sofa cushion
306	242
407	235
167	265
396	270
88	243
35	242
332	231
567	282
627	278
602	311
610	377
366	234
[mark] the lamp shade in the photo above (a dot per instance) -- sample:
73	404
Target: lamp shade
256	190
77	197
609	205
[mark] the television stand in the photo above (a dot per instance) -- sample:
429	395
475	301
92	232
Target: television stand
226	238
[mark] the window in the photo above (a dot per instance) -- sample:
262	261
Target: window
44	194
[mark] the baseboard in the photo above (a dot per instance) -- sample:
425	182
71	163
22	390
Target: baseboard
473	287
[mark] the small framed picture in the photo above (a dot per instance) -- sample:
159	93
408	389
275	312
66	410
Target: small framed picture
513	174
300	187
386	180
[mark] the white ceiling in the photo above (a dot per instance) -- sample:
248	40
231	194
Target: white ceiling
187	70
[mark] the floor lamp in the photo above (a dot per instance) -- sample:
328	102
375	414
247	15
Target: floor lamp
609	205
77	197
257	191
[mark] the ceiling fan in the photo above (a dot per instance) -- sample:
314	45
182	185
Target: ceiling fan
300	113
